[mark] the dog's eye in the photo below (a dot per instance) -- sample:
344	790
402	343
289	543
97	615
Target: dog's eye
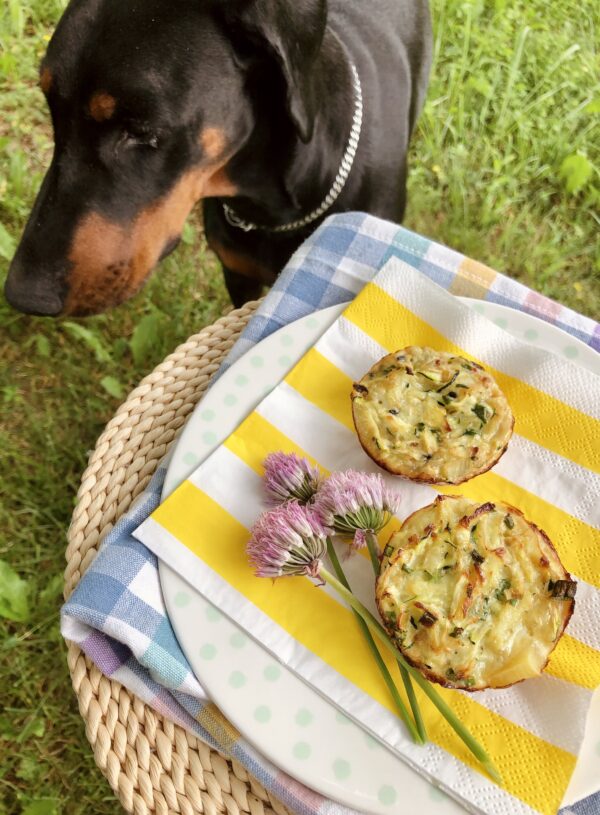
139	138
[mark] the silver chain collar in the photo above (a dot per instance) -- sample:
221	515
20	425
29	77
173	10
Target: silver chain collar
336	188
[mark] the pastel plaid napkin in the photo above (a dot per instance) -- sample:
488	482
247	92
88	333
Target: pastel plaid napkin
116	613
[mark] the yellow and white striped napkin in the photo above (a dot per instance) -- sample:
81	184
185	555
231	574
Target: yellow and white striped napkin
551	471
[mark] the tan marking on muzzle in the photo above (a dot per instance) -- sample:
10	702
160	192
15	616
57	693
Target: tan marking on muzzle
102	106
111	261
46	79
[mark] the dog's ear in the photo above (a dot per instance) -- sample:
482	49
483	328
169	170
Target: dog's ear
292	32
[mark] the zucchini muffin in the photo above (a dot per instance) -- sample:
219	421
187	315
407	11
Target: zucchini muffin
473	594
430	416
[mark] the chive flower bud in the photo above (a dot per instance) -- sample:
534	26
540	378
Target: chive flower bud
289	477
288	541
354	503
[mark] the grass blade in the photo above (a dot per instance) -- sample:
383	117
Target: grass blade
512	75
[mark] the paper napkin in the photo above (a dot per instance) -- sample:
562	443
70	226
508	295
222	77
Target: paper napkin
551	471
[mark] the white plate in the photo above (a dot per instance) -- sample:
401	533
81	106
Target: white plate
285	719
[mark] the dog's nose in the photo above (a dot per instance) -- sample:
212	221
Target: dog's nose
31	297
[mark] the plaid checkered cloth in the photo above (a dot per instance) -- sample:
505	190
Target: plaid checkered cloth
116	614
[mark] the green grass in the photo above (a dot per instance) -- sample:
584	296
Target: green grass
504	168
513	115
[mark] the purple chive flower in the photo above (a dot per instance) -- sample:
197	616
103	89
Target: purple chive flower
354	503
288	540
289	477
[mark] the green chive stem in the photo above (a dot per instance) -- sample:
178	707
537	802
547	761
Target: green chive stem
373	548
446	711
401	707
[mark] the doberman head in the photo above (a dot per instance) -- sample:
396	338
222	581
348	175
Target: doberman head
151	102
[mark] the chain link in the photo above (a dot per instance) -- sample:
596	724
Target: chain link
336	188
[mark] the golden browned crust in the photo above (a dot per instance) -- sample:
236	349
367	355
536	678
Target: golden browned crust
438	680
438	500
424	479
395	552
402	463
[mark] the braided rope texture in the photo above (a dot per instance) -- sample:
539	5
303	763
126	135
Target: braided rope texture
152	764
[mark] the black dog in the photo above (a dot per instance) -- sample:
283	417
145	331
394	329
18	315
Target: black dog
254	106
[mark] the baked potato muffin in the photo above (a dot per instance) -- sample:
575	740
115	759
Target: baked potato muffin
431	416
474	595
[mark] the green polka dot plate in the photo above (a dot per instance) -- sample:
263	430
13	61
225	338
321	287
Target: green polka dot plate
285	719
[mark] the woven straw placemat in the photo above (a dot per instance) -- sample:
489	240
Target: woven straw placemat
153	765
